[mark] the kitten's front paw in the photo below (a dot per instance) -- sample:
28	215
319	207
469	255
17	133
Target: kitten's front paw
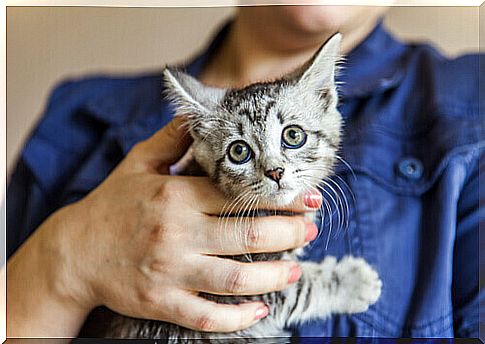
357	285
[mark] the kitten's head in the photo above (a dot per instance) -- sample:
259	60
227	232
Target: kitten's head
272	140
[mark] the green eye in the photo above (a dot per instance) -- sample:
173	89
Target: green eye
239	152
293	137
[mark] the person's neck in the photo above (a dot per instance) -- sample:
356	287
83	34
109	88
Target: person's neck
245	58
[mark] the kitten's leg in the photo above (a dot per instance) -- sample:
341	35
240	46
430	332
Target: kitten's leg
347	286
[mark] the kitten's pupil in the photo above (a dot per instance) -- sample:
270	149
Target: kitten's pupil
239	149
293	134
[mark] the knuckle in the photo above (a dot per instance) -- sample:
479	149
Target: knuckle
172	186
148	297
206	323
163	237
237	280
157	266
254	236
158	234
147	211
175	192
163	193
168	196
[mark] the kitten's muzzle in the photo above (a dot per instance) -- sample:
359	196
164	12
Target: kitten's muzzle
275	174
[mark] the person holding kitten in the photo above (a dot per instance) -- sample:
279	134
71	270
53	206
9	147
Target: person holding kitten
99	221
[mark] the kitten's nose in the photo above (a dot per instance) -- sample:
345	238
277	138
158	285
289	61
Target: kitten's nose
276	174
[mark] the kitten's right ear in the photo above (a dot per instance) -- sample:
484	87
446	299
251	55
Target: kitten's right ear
191	97
189	94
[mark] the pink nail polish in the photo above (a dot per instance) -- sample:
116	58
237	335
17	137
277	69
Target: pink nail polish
313	199
311	232
295	274
261	312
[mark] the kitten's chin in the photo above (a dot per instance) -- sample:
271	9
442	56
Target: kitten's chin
281	197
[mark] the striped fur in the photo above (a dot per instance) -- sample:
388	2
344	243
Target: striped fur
257	114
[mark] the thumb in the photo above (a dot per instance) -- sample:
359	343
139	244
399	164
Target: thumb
166	146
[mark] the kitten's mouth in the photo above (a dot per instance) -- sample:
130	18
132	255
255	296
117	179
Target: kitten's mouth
282	190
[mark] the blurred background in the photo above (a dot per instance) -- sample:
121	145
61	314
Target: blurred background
48	44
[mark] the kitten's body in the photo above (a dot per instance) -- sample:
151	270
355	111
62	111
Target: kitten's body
347	286
291	128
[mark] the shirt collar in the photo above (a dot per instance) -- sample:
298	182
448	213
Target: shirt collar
374	66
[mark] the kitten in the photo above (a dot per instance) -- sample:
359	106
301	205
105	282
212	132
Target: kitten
265	144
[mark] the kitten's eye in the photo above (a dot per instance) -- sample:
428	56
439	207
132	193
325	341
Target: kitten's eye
293	137
239	152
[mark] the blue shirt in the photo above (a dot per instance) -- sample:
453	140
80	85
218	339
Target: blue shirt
414	139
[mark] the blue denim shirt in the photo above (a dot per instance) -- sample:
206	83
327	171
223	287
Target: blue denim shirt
414	140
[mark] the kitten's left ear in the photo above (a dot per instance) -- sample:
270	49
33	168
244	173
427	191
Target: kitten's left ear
319	72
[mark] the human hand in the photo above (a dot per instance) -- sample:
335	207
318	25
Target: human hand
145	243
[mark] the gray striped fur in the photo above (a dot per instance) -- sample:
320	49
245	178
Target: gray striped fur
257	114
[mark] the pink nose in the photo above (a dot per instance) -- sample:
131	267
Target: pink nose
275	174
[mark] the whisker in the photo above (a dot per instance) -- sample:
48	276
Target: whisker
249	222
328	194
308	186
333	200
330	223
236	204
344	196
347	186
339	207
346	164
328	208
227	214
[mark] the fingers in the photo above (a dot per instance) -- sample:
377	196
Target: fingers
165	147
229	277
233	236
199	314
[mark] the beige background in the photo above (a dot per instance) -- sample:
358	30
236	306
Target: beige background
45	45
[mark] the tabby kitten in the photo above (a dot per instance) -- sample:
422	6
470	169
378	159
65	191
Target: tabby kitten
264	145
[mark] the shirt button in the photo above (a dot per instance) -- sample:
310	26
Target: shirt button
411	168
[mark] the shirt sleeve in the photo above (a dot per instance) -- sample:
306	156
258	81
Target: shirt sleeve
467	263
55	149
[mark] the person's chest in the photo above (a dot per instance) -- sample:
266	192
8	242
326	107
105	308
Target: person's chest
391	201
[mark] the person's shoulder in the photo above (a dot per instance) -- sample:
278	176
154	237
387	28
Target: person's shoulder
451	84
80	106
106	81
81	114
106	97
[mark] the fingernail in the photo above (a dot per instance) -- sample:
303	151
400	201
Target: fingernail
311	232
295	274
313	199
261	312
